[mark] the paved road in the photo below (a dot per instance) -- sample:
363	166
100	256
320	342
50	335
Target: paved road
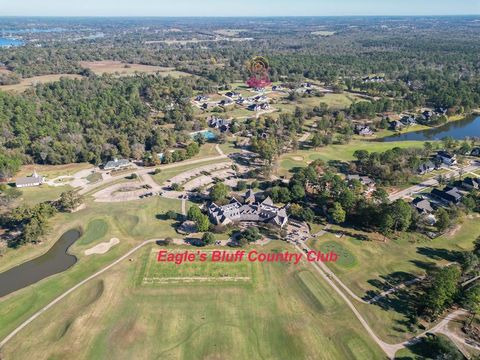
144	171
433	182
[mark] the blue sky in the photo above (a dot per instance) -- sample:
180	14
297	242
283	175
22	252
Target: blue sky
236	7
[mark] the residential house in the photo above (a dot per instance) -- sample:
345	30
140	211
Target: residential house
232	94
426	167
408	120
470	183
449	195
258	107
201	98
363	130
475	152
423	205
219	123
427	115
364	180
260	98
250	209
30	181
447	158
440	111
396	125
116	164
225	102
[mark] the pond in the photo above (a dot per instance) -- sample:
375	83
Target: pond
469	127
54	261
5	42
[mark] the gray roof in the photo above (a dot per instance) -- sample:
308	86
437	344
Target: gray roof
117	163
29	180
249	211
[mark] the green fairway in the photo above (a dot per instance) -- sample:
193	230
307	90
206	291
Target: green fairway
156	272
96	230
286	312
36	195
377	266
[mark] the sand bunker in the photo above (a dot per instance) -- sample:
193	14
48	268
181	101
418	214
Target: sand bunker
297	158
102	248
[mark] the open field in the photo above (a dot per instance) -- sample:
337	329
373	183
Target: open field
335	101
53	171
370	267
286	312
42	79
42	193
123	69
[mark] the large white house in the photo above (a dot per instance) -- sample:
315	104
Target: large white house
248	210
30	181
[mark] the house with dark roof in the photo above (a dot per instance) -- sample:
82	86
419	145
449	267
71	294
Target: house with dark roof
426	167
449	195
396	125
225	102
475	152
408	120
258	107
232	94
471	184
427	115
447	158
219	123
201	98
249	209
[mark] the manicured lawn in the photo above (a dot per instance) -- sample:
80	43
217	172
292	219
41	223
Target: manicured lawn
285	312
96	230
378	266
38	194
53	171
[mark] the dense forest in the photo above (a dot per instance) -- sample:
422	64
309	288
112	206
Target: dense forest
427	61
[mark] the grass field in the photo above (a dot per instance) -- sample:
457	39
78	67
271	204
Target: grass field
193	272
38	194
285	312
370	267
53	171
42	79
123	69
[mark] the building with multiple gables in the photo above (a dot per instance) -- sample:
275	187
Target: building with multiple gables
249	209
29	181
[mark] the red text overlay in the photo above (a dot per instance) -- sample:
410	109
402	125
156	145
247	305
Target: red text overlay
243	255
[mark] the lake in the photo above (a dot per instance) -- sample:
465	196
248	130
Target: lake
54	261
4	42
469	127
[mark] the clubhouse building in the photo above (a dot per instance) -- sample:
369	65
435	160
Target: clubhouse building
249	209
